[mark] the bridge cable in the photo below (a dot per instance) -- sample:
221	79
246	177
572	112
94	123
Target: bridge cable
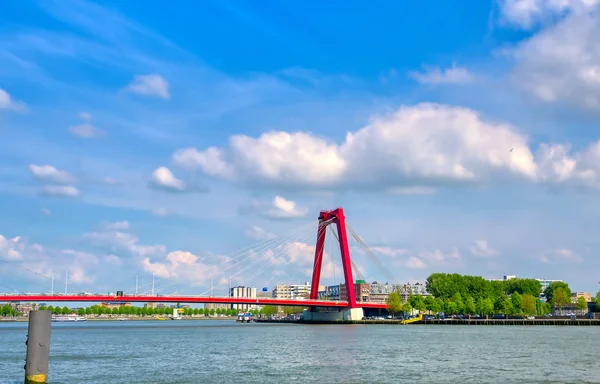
265	245
280	250
356	271
247	249
387	274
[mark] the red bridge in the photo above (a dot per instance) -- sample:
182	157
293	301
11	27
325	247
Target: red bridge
326	218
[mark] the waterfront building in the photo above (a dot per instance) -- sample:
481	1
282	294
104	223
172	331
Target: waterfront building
216	306
576	295
330	292
504	278
415	289
242	293
25	308
545	283
114	305
379	292
291	291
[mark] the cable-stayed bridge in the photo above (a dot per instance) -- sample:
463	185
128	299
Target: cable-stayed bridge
248	263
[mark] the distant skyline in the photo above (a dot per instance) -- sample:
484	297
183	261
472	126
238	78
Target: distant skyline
140	138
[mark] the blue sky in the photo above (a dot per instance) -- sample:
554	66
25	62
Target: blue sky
136	138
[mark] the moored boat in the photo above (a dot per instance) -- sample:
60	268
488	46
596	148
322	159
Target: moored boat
68	318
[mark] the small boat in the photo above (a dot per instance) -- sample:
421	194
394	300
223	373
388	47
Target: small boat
244	317
122	319
67	318
160	318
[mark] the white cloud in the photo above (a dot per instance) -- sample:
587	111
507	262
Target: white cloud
561	255
415	146
439	257
112	259
257	233
183	266
436	75
163	178
389	251
113	238
6	102
562	63
150	85
482	248
273	157
50	174
86	131
401	257
414	262
558	165
278	208
416	190
46	211
60	191
18	248
160	212
116	226
527	13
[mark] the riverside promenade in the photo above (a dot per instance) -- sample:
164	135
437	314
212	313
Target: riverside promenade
546	322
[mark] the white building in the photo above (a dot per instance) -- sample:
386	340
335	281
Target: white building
244	293
291	291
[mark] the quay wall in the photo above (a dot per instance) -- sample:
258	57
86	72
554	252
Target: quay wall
546	322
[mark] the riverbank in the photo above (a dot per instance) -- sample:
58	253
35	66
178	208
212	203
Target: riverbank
138	318
546	322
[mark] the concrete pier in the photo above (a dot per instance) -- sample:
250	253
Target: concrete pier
350	314
38	347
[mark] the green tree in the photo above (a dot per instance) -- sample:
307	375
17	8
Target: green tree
394	303
469	305
451	308
6	310
581	303
549	291
522	286
81	311
457	299
42	308
268	310
516	299
407	308
560	298
438	306
65	310
487	306
528	304
506	306
597	299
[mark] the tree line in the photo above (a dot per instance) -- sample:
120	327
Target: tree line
469	295
139	311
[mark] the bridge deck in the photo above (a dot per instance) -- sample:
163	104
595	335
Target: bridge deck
182	299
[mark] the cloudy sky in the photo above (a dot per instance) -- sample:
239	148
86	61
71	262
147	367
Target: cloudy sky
199	142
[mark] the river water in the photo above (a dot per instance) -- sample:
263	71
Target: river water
222	351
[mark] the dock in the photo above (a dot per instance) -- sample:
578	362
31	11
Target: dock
546	322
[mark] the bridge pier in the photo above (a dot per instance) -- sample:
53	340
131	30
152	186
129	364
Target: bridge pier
333	315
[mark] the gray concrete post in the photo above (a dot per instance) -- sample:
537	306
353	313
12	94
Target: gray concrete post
38	347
